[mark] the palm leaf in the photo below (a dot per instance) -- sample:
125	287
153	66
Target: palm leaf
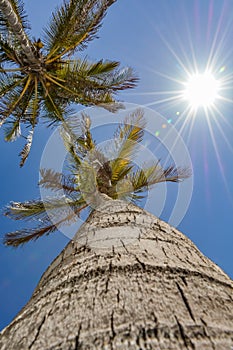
73	25
39	210
95	81
21	237
55	181
77	139
144	178
127	137
12	130
8	53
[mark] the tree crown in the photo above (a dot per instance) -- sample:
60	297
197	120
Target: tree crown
92	177
44	77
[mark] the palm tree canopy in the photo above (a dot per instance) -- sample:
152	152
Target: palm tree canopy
91	178
44	77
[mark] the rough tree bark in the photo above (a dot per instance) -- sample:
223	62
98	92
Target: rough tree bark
152	290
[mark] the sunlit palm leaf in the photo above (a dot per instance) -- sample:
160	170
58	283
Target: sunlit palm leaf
128	136
73	25
144	178
88	80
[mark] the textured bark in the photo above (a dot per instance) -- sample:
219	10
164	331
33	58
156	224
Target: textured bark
153	290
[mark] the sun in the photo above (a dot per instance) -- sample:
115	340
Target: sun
201	90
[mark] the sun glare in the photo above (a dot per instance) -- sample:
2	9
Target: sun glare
201	90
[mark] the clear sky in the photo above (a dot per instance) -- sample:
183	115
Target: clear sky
164	41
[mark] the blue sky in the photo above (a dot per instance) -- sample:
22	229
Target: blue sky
163	41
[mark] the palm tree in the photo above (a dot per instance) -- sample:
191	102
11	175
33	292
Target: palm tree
43	77
92	179
127	280
159	292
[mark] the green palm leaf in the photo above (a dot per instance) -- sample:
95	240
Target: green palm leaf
128	136
149	176
73	25
13	130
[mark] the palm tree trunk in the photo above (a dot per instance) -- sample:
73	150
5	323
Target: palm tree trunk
17	29
138	283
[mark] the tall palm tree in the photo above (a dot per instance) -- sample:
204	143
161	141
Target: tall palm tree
127	280
92	179
153	291
44	77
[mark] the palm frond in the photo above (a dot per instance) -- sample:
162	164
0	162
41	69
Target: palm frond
73	25
70	145
144	178
9	81
94	83
16	96
53	109
85	140
36	210
127	137
77	138
12	130
56	181
8	53
10	88
21	237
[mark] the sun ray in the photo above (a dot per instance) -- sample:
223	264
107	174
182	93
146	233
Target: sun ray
218	41
174	54
223	117
218	157
222	132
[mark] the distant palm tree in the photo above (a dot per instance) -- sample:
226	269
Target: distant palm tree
93	178
43	78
